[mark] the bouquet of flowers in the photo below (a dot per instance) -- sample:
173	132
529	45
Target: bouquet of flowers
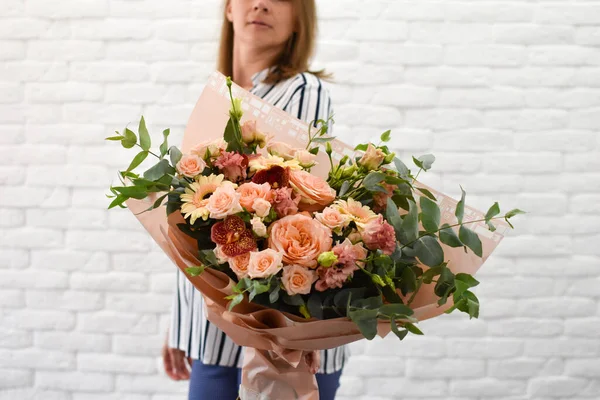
362	240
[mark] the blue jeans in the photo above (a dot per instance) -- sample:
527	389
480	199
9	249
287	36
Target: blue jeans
212	382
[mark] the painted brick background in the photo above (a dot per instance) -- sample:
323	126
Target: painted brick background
506	94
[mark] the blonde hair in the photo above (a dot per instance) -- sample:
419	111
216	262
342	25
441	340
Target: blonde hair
294	59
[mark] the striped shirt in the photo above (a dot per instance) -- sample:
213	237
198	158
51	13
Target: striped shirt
305	97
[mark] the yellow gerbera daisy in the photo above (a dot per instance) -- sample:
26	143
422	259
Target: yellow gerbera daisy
197	194
266	162
360	214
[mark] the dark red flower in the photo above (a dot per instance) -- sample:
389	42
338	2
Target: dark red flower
233	236
277	177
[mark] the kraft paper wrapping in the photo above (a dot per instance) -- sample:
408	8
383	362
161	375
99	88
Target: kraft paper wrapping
278	344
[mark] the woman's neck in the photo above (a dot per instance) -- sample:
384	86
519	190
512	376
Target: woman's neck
248	61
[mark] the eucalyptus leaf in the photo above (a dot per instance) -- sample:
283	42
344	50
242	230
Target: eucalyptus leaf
195	271
372	180
236	300
402	168
430	215
471	240
385	136
175	155
492	212
130	139
410	224
449	237
401	334
145	141
429	251
366	320
426	193
344	188
274	295
412	328
460	207
164	147
137	160
315	305
391	309
514	212
426	161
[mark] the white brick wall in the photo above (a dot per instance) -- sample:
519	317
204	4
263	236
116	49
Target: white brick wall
505	93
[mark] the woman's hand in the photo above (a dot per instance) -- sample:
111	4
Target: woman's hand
177	365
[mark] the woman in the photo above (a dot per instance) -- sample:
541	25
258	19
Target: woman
265	47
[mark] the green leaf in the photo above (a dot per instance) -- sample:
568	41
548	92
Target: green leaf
432	273
391	309
258	288
514	212
444	285
315	305
371	303
164	147
460	207
430	215
232	136
468	279
361	147
385	136
274	295
410	223
145	141
393	217
314	150
175	155
429	251
408	281
412	329
366	320
118	201
344	188
159	170
402	168
130	139
137	160
400	333
449	237
471	240
159	201
427	193
295	300
114	138
492	212
237	299
372	180
472	304
135	192
425	161
195	271
323	139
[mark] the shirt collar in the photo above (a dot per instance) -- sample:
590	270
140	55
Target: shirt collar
258	77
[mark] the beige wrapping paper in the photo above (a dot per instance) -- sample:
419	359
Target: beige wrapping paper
277	344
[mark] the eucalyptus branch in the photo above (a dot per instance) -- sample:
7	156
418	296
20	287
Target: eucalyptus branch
451	226
149	152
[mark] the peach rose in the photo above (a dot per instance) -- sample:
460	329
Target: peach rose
297	279
281	149
261	207
190	165
209	149
251	191
300	238
333	219
264	263
312	189
258	227
240	264
221	257
305	158
224	201
250	135
372	158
